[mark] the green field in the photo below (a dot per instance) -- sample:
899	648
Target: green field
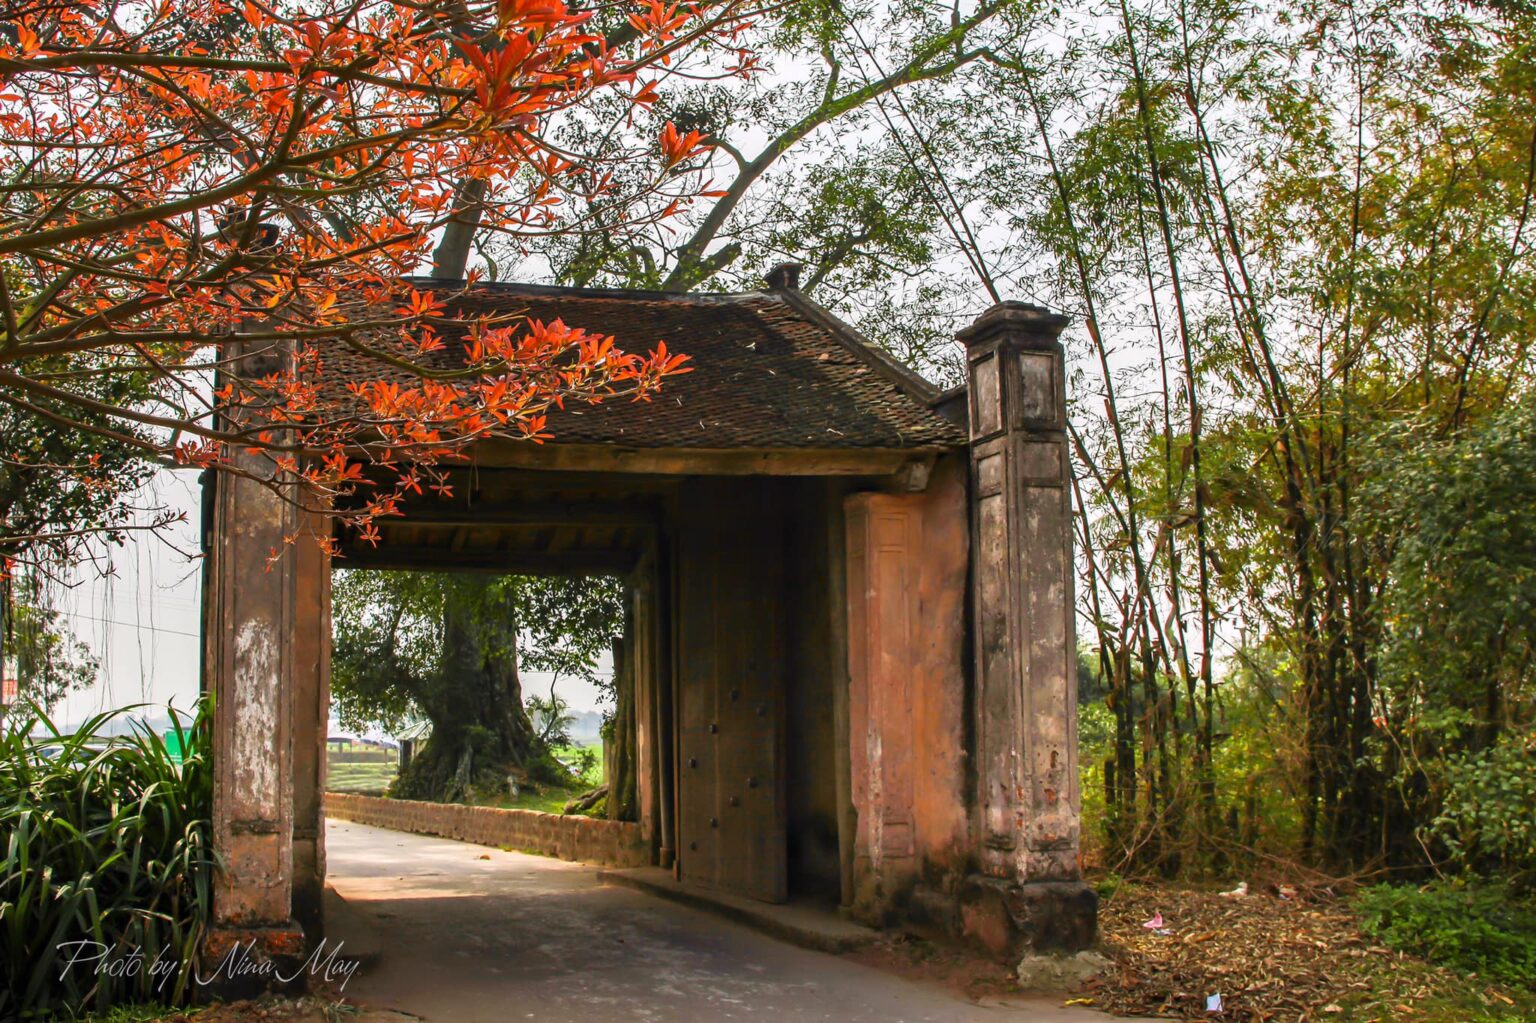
355	767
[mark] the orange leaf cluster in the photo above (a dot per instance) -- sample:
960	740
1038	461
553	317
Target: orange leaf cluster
219	200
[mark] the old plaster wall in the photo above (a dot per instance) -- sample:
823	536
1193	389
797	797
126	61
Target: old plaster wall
907	564
939	711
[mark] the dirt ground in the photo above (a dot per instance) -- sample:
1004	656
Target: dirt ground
1295	958
1298	957
1266	957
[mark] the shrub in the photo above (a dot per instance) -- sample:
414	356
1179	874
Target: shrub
106	840
1474	928
1487	821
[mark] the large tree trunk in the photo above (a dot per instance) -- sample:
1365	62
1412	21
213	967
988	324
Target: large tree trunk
621	769
481	735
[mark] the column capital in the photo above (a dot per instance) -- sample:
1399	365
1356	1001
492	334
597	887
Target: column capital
1016	324
1017	371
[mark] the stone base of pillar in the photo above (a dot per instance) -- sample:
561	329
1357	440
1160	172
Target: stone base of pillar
1010	920
243	962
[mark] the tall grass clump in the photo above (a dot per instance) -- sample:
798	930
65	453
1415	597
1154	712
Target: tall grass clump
107	842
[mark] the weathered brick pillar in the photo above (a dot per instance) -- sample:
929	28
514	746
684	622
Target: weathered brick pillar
257	610
1028	893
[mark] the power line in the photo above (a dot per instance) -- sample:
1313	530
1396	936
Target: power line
130	625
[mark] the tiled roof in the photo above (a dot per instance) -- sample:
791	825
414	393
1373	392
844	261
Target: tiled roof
770	370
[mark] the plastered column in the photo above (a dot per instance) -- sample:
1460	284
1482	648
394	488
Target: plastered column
258	631
906	569
1028	891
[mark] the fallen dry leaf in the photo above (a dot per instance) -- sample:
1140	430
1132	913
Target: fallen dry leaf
1271	958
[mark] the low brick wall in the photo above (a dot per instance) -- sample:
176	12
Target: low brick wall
588	839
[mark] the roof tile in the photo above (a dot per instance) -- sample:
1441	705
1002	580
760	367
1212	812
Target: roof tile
765	374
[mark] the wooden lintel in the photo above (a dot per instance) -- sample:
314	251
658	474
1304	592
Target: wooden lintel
437	559
531	515
698	461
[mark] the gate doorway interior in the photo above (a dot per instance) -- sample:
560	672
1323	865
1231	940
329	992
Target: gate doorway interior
733	647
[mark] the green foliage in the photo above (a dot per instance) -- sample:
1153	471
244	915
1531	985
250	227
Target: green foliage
1095	727
50	661
59	481
1460	613
138	1012
1294	241
388	651
583	762
1484	928
449	646
387	647
551	718
106	840
584	772
1488	820
830	159
1096	740
851	219
568	623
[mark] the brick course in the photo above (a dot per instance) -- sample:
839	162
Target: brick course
573	837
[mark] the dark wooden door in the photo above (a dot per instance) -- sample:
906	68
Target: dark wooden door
730	673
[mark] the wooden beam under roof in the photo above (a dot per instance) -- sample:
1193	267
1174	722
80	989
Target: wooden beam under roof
611	458
490	514
575	561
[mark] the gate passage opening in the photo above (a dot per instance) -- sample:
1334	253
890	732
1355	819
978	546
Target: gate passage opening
722	748
480	688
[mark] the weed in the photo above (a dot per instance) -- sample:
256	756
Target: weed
1480	928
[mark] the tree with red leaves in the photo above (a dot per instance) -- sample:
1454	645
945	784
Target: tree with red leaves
204	201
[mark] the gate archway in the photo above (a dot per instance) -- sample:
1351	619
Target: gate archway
853	640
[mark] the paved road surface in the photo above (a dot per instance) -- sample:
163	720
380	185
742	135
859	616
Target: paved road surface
516	937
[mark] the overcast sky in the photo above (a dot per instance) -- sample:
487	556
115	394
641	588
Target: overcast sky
138	608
